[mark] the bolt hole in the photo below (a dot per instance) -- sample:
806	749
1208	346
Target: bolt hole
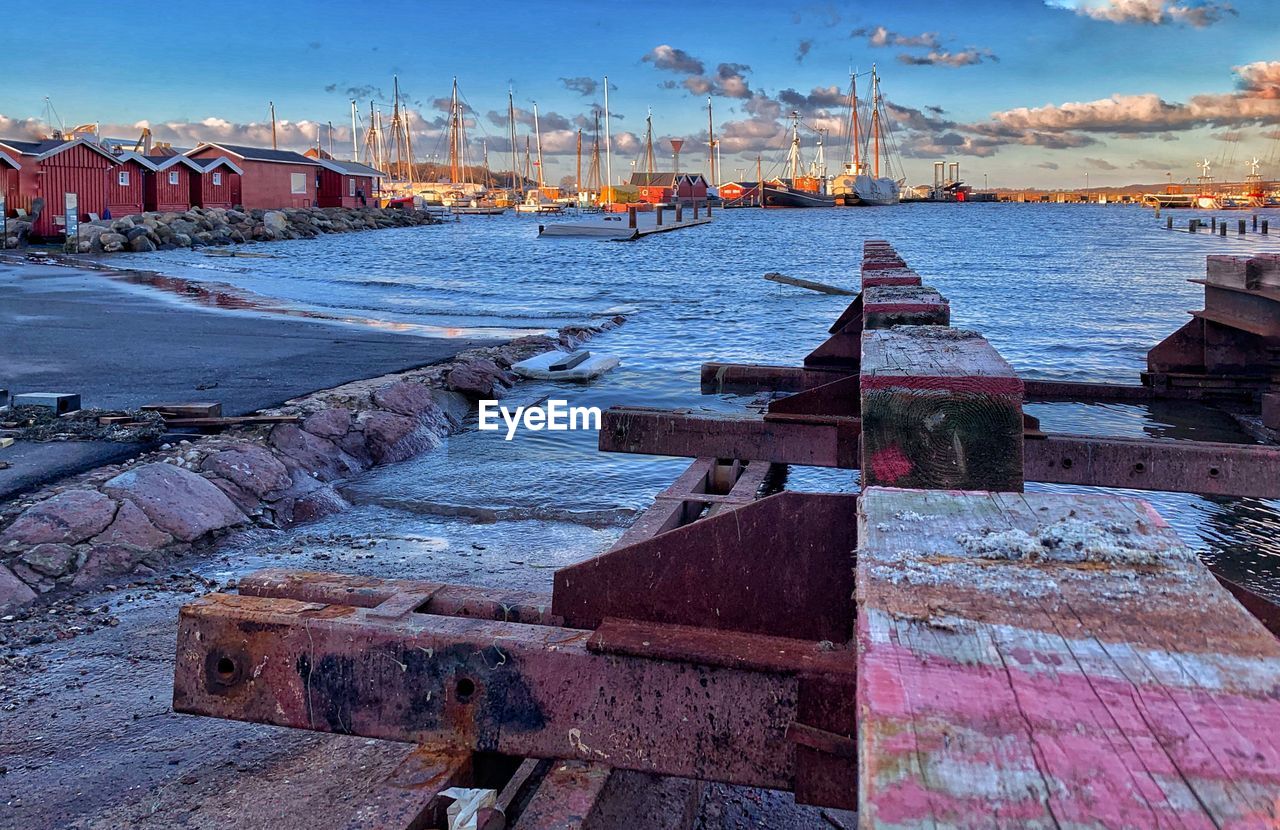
465	688
1066	463
226	667
1214	472
1139	467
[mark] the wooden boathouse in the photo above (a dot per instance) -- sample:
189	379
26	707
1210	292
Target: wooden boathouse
269	179
171	184
347	184
218	185
669	188
126	185
51	168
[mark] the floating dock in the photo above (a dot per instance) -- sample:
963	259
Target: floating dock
938	650
630	226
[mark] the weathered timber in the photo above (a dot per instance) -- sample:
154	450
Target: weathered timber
567	797
410	796
1067	390
693	435
820	287
746	378
885	306
940	409
1053	661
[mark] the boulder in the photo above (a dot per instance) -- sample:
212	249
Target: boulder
141	245
14	593
329	423
182	240
251	468
389	437
112	242
177	501
132	529
479	378
107	561
122	224
135	232
276	221
49	560
69	517
404	398
318	456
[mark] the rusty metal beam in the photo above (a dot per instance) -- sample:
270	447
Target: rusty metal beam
1066	390
749	378
409	799
822	443
1176	466
468	684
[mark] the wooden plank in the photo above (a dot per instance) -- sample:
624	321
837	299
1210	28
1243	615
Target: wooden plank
186	409
940	409
232	421
1047	660
820	287
884	306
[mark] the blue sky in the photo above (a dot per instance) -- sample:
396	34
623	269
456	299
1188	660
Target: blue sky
1018	89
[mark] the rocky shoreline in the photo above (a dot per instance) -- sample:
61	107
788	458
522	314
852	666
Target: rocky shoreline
135	517
202	227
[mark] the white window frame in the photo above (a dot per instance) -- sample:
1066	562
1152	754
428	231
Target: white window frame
173	177
122	178
217	178
351	187
298	184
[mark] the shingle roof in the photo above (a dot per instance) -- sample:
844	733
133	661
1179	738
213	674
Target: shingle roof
223	161
30	148
350	168
260	153
653	179
9	160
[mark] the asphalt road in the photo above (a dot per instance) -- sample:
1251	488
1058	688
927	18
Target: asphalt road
121	345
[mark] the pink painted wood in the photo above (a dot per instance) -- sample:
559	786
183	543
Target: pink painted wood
1049	660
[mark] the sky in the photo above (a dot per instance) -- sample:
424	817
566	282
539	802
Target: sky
1022	93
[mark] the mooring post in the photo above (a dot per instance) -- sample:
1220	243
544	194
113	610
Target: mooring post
708	208
1213	224
657	214
679	212
1168	222
1191	225
941	410
631	216
1240	229
1255	223
695	209
1222	229
1266	226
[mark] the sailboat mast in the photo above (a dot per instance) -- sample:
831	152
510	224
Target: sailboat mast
855	130
454	137
577	185
355	146
875	116
793	157
608	147
511	124
711	143
648	144
759	180
408	140
537	131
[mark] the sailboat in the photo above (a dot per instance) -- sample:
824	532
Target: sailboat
798	189
874	189
536	200
463	196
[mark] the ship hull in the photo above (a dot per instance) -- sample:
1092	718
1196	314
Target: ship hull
873	192
787	198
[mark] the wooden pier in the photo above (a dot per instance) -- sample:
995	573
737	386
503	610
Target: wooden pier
958	654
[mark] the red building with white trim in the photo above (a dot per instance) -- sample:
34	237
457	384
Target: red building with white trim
669	188
218	185
270	179
9	167
52	168
347	184
170	183
126	184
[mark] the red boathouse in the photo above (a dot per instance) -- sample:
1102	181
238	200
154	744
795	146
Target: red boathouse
170	183
218	185
54	167
9	167
270	179
126	183
669	188
347	184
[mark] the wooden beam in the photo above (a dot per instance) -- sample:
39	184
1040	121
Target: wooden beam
1045	660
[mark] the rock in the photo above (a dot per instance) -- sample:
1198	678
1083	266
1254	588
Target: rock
275	221
132	529
134	232
69	517
14	593
390	438
182	240
318	456
455	405
142	245
49	559
404	398
177	501
121	225
112	242
317	504
106	561
329	423
477	378
251	468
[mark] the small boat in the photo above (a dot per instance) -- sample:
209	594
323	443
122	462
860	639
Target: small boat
535	201
798	190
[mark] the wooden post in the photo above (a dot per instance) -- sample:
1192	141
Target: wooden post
1047	660
657	214
1266	226
1255	223
1213	224
940	410
631	216
708	207
1169	222
1222	229
885	306
1191	225
1240	228
679	212
695	209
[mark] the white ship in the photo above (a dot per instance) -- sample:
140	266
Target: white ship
861	183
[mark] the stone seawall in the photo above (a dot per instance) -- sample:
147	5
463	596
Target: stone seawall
200	227
137	516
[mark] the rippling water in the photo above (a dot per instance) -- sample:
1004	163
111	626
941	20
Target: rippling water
1063	291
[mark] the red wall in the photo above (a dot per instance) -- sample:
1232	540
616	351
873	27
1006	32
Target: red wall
164	197
267	184
204	193
78	170
125	200
335	189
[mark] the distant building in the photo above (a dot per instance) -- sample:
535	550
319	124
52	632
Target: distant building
669	188
271	178
51	168
740	193
348	184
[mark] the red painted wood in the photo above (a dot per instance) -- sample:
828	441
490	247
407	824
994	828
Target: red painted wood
127	199
268	185
339	189
77	170
163	196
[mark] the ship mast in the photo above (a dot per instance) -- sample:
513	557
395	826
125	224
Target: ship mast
793	155
455	137
577	184
711	144
593	169
511	123
855	125
608	147
538	133
355	146
875	116
648	144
